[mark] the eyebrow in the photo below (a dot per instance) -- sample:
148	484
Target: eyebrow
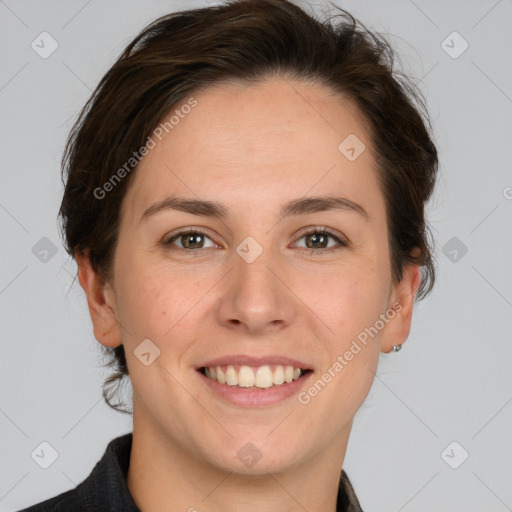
302	206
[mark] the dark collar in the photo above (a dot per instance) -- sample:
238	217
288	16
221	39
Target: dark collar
106	489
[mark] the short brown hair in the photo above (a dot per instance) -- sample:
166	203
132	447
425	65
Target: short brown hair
246	40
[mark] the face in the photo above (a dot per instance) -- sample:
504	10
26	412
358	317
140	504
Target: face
254	283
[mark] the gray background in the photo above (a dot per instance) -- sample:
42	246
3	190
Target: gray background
452	380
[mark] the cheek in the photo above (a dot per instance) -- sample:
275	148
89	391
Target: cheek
144	296
160	303
153	308
353	304
354	299
352	349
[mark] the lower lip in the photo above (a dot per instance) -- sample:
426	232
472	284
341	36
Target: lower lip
246	397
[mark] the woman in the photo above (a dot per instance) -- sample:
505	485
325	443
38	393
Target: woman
244	198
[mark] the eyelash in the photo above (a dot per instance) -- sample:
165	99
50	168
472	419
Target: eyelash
316	230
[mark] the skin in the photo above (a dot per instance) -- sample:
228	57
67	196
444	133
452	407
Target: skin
252	148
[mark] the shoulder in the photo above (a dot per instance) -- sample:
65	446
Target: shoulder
104	489
66	501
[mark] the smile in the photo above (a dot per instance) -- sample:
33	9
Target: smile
243	376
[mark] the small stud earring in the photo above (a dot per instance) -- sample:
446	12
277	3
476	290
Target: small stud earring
396	348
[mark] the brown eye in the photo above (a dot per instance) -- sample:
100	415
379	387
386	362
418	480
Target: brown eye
318	240
192	239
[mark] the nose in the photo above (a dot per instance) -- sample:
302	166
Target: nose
256	298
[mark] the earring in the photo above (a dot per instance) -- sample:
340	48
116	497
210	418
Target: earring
396	348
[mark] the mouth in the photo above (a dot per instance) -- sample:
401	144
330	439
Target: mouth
254	377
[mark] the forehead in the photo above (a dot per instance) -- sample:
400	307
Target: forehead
258	143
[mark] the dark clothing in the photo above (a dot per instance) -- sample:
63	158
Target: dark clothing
105	489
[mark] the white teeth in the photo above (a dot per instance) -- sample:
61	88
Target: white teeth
231	376
264	377
279	375
248	377
245	377
288	374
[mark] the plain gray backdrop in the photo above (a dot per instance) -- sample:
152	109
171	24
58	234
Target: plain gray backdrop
435	430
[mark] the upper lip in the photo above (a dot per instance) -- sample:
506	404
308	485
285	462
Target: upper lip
240	359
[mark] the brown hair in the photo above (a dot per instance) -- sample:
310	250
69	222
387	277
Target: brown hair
246	40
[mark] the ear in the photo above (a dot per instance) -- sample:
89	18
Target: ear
402	302
100	299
